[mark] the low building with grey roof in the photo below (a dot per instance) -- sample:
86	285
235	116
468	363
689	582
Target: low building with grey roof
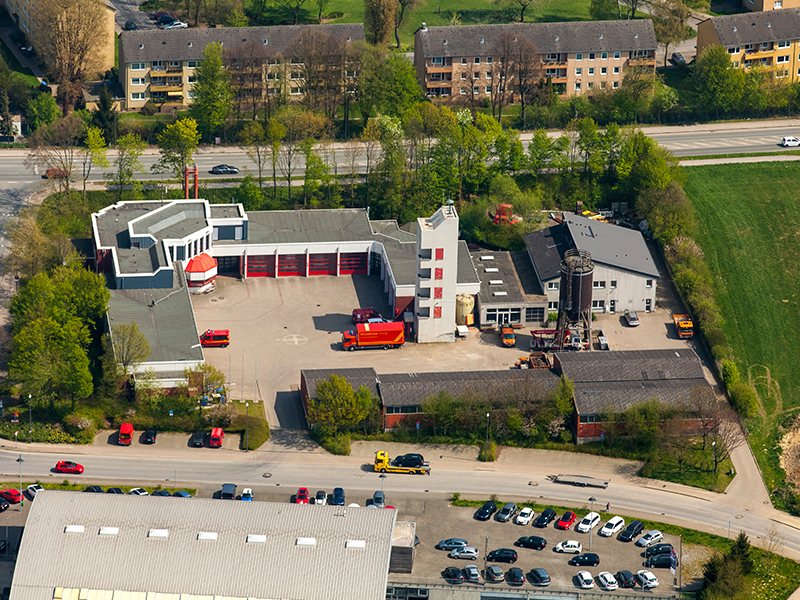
111	546
625	274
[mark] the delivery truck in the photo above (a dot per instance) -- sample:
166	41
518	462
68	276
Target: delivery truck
374	335
684	326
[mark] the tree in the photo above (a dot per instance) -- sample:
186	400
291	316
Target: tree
379	20
69	43
274	133
504	53
319	60
727	435
41	110
704	406
105	115
336	405
743	399
177	145
444	410
130	346
6	125
54	147
93	153
130	148
740	552
527	73
253	141
292	6
402	7
643	164
563	397
322	5
669	23
31	250
236	18
717	82
299	125
386	82
213	92
245	63
204	380
668	212
675	439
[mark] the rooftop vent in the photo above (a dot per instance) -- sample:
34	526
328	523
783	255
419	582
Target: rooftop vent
74	529
189	44
266	42
163	43
734	29
424	26
601	36
495	282
556	38
360	544
349	39
499	293
445	42
487	257
207	536
256	538
158	533
109	531
768	25
491	270
481	40
141	46
636	36
306	541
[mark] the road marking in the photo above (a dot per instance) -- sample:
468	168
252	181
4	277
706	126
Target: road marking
295	339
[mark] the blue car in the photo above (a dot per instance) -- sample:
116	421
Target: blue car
182	494
247	495
338	497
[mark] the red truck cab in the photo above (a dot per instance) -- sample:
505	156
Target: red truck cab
125	434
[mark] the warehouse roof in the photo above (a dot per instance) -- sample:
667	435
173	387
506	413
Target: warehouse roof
546	248
188	44
578	36
594	398
201	546
756	27
499	273
356	377
306	226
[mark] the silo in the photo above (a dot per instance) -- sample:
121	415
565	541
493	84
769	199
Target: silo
465	303
575	293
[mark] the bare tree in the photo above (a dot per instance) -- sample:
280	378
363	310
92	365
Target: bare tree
521	5
248	66
318	60
67	41
299	126
727	435
55	147
353	149
528	71
292	6
503	55
402	7
704	407
676	439
669	23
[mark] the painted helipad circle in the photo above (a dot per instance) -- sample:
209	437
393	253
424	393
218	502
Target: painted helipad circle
295	339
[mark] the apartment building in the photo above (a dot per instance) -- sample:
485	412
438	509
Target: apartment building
767	39
579	57
160	65
759	5
24	13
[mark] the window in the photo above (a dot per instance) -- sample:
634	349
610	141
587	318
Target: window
437	60
552	306
476	90
551	57
552	72
439	254
137	80
604	56
158	64
552	285
590	86
463	60
764	45
477	60
137	67
613	284
463	75
748	47
615	85
438	273
534	314
591	55
174	63
736	64
476	75
578	72
192	78
778	4
295	76
602	85
616	55
488	90
599	285
591	70
648	283
437	312
781	74
295	91
137	96
579	56
488	74
491	315
783	59
463	91
603	70
489	60
577	86
783	44
175	80
616	70
734	50
191	94
598	304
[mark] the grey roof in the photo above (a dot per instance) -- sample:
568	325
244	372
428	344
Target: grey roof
356	377
226	211
611	244
755	27
391	229
466	272
546	248
91	90
188	44
579	36
507	264
165	317
229	566
306	226
175	220
410	389
141	260
112	222
594	398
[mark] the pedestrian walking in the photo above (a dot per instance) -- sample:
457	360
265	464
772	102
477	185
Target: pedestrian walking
608	506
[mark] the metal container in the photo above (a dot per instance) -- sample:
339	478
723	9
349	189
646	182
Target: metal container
575	293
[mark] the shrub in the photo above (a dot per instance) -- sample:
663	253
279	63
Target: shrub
221	415
743	399
490	455
455	496
149	109
552	317
338	445
730	373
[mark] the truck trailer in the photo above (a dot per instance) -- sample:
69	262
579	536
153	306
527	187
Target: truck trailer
374	335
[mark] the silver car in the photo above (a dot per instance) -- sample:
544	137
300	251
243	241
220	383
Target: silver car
632	318
466	552
648	539
176	25
509	510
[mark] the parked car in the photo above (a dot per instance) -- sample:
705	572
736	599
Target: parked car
588	522
224	170
302	496
229	491
130	26
149	436
453	575
337	499
677	59
590	559
55	174
67	466
524	517
472	574
515	576
198	439
790	140
181	494
632	318
114	490
452	544
651	537
157	15
94	489
165	18
3	505
34	489
569	547
321	499
11	495
566	521
647	579
485	512
625	579
585	580
633	529
532	541
139	492
539	577
606	581
614	525
494	573
466	552
163	493
379	499
659	561
247	495
545	518
502	555
175	25
658	549
509	510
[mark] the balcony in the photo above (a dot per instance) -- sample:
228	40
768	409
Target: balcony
166	87
642	62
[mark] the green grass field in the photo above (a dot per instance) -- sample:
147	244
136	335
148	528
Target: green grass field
749	230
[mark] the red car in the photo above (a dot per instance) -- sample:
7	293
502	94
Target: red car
55	174
66	466
12	495
566	521
302	496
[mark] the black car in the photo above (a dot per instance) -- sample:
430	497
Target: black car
539	577
677	59
198	439
164	19
531	541
96	489
625	579
589	559
633	529
502	555
544	519
130	26
3	504
408	460
453	575
224	170
485	512
659	561
658	549
164	493
114	490
515	576
149	436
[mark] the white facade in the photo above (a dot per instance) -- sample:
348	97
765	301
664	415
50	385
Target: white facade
437	270
614	290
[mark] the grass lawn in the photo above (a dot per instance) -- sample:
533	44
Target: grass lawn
23	73
748	223
696	470
66	485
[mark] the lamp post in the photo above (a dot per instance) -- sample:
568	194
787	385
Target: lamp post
486	447
382	477
30	421
714	470
22	500
246	426
592	499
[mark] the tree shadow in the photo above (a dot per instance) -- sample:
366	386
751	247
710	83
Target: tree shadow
293	439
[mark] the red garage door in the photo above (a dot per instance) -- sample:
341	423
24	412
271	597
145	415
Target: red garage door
260	266
322	264
290	265
353	263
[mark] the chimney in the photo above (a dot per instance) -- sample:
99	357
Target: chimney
424	26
